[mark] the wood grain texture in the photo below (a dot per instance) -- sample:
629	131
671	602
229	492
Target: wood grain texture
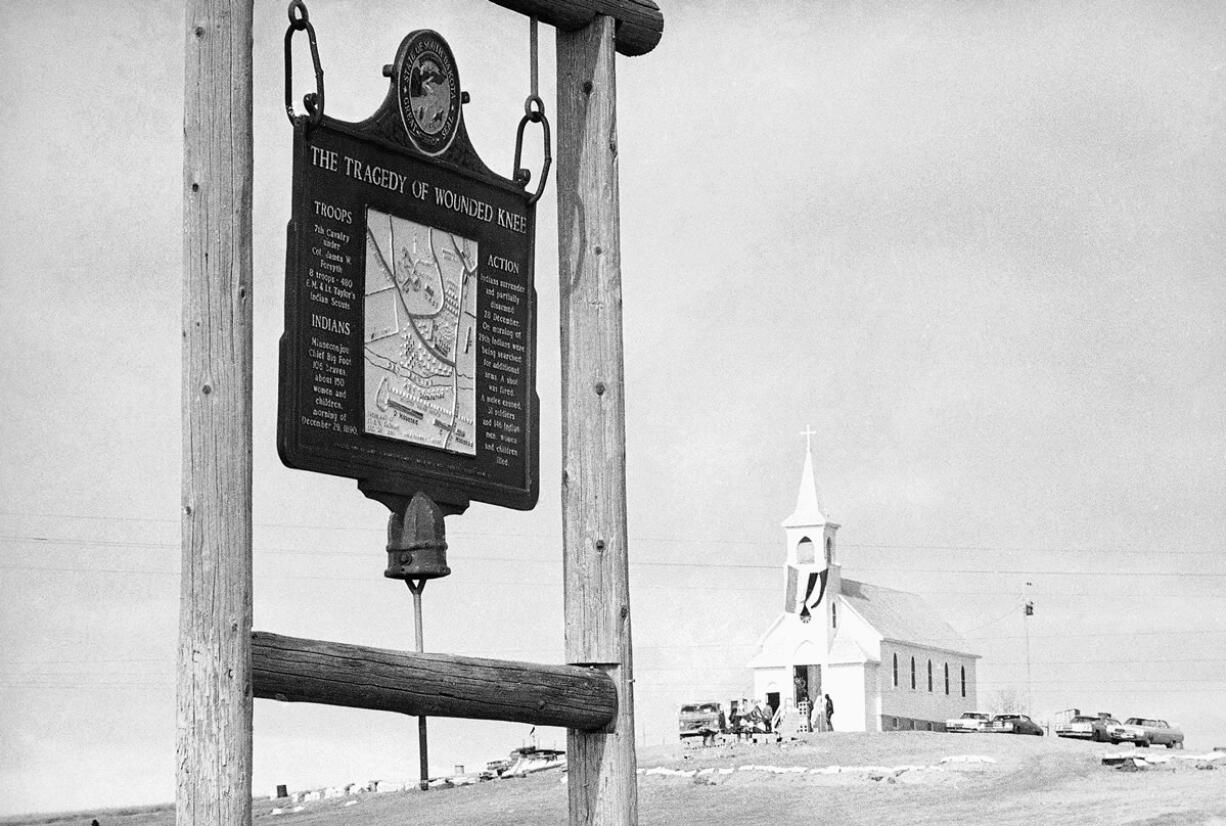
640	23
602	786
435	685
213	745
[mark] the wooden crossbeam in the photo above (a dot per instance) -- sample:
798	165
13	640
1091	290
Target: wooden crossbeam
640	23
436	685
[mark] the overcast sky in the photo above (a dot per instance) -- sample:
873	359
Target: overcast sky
976	246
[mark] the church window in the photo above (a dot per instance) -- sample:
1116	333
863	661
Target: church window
964	681
896	669
913	672
805	554
829	551
947	679
834	614
930	675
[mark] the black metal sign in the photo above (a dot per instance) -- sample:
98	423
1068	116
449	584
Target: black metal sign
408	357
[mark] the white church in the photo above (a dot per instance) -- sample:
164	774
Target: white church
885	657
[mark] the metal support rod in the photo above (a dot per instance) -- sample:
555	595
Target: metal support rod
417	586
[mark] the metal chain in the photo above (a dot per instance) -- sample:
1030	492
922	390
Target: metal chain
534	112
299	20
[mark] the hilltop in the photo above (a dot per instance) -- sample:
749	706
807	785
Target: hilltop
879	779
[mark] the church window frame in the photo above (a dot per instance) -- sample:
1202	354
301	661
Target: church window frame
829	551
913	673
929	676
964	681
946	679
834	614
896	669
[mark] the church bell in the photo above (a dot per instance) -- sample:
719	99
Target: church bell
416	542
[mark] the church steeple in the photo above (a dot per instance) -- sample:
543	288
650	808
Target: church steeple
811	568
808	512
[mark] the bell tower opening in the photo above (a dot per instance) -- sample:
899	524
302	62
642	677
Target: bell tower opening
806	554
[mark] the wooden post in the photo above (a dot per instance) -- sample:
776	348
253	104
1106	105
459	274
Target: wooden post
602	783
213	747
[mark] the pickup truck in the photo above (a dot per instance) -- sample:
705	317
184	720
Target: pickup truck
701	720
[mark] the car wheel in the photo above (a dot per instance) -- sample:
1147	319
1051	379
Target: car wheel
1144	744
1171	744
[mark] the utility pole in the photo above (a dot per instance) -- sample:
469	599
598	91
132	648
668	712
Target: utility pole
1027	613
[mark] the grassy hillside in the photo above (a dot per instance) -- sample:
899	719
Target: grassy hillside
880	779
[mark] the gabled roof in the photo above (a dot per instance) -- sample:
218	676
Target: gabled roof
902	617
846	650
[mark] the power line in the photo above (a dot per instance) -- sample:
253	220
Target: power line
1115	550
712	588
538	583
773	567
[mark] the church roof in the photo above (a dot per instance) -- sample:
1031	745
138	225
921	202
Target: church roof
808	508
846	650
899	616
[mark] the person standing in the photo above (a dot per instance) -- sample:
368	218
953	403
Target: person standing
829	713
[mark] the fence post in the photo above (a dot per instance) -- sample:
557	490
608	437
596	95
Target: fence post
213	742
602	783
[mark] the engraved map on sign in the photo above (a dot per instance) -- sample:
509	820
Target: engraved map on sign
419	338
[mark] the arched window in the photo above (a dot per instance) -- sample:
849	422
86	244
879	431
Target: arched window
829	551
896	669
964	681
947	679
913	672
805	553
930	675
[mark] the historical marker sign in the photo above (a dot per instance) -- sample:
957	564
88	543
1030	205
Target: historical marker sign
408	358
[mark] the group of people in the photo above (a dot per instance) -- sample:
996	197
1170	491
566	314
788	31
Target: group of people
761	718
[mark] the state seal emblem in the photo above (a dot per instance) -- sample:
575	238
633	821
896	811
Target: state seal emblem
428	91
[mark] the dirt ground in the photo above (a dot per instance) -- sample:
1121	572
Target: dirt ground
880	779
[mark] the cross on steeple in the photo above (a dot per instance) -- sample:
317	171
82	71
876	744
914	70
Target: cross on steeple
808	433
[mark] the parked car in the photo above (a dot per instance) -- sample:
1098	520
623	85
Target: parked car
1084	727
701	720
1015	724
970	721
1144	732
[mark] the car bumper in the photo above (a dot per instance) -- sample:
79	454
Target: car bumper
1079	735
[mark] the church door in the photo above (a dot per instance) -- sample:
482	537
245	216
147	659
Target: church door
800	681
807	680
